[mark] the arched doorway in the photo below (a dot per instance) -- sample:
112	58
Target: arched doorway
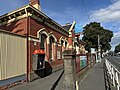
43	36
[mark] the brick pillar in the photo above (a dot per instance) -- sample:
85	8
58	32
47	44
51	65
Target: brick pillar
88	59
69	70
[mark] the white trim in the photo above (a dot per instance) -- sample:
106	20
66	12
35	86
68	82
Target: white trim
72	26
54	43
42	31
51	34
14	19
61	38
33	39
48	40
59	45
70	46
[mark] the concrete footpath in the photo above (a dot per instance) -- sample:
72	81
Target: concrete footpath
94	79
51	82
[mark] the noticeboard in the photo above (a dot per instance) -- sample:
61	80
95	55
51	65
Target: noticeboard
58	55
83	61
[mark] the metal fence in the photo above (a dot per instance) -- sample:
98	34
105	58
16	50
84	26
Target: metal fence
114	74
13	55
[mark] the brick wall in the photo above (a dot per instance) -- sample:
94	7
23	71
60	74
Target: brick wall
35	26
19	27
31	27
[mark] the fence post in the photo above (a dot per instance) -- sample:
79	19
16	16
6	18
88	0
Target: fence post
69	70
88	60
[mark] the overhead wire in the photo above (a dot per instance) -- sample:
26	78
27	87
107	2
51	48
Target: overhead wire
86	10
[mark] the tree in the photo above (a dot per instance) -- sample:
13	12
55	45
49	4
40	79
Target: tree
111	53
91	32
117	48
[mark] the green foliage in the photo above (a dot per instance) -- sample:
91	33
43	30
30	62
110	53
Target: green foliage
117	48
91	32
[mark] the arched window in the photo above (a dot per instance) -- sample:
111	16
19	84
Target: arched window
62	46
52	40
62	42
43	41
65	45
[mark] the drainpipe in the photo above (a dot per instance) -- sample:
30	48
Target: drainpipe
28	48
28	56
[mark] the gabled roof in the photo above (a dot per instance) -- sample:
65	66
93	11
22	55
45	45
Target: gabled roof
67	27
30	11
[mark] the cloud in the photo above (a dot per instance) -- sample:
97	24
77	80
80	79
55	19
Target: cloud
108	14
65	16
111	16
61	18
115	40
114	0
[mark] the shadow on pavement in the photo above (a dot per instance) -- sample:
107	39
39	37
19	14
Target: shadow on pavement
46	71
57	81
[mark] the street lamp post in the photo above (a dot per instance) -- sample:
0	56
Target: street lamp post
99	49
99	54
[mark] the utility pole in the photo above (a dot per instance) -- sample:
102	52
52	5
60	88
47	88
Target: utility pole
99	54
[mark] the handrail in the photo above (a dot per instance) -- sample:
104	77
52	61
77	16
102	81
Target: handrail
114	74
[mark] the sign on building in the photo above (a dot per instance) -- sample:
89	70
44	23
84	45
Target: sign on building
58	55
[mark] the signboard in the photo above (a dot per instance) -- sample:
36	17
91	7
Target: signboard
83	61
58	55
38	52
93	50
34	62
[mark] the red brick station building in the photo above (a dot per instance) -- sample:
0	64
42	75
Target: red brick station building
43	38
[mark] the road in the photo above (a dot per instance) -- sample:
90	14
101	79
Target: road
115	60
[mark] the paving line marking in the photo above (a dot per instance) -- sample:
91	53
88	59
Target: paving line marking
77	86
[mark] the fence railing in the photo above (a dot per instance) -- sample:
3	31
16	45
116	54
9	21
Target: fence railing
113	73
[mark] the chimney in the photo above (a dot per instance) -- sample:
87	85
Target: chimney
35	3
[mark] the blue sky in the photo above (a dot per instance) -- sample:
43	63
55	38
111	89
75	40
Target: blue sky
66	11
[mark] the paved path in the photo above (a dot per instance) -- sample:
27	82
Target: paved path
51	82
94	79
